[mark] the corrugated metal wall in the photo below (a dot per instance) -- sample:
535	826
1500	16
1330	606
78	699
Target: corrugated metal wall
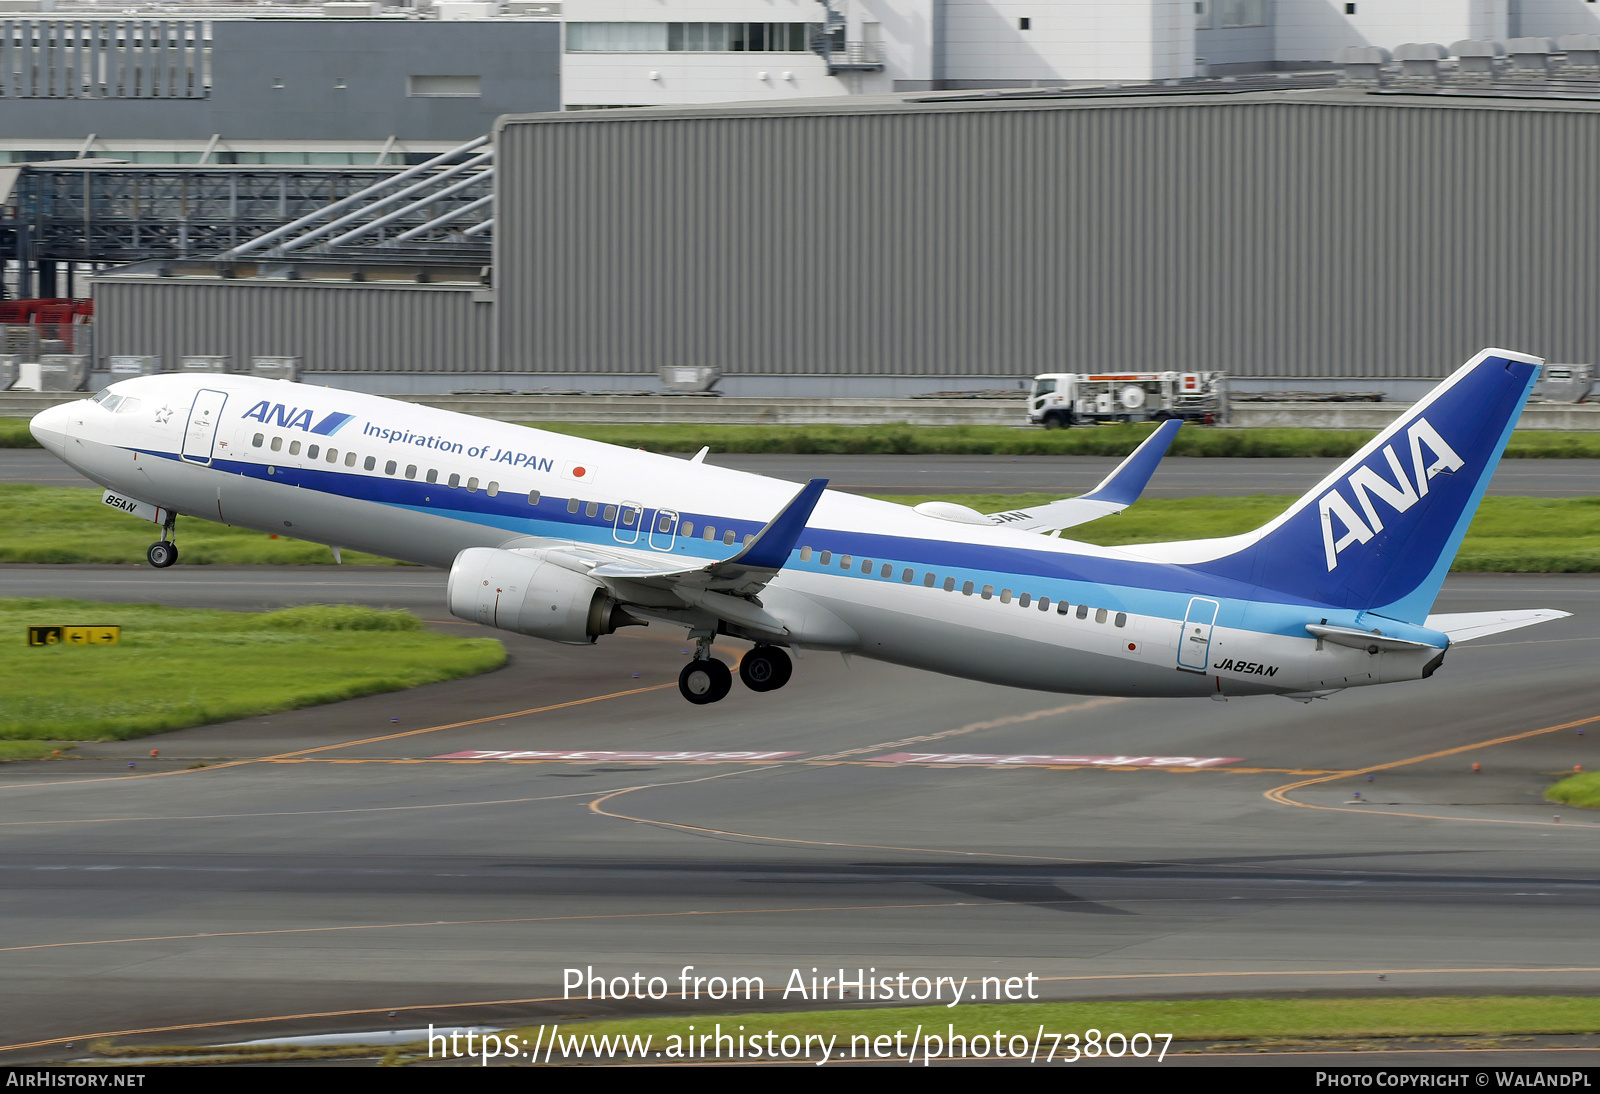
1327	234
367	327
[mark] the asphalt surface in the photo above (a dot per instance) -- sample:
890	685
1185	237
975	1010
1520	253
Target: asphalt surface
1064	475
326	868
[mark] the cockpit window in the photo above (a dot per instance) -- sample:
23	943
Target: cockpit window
128	405
100	396
110	402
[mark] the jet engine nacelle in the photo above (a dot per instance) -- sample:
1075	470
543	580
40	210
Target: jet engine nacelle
524	593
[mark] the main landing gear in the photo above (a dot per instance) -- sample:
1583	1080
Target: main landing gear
164	552
707	680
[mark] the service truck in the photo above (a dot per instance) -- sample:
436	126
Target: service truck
1062	399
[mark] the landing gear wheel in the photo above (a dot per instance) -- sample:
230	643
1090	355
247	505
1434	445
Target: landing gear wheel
765	668
162	554
703	682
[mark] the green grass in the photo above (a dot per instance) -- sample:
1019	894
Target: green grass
68	524
1508	535
1110	440
14	434
30	750
49	524
1580	790
180	667
1189	1020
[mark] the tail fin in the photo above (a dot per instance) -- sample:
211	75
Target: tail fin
1379	533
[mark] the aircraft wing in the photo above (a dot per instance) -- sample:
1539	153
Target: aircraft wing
1119	490
1465	626
742	575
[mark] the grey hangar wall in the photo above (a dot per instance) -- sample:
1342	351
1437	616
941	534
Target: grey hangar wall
873	246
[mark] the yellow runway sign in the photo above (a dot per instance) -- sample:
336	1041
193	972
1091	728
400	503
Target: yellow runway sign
74	636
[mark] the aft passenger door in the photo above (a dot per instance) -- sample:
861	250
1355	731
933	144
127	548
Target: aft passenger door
201	432
1194	644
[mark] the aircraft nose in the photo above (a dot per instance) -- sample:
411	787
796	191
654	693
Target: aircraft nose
49	428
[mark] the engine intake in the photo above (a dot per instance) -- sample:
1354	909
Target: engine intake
524	593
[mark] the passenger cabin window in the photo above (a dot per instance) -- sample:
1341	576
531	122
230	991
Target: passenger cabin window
455	481
727	537
663	524
311	451
805	554
333	455
887	570
258	440
866	565
592	509
433	475
988	592
747	540
371	462
350	460
533	497
493	489
844	562
966	588
949	584
1063	608
1044	603
1005	596
294	448
709	534
389	468
277	444
1099	615
1024	600
688	528
572	505
472	485
1122	619
411	470
1083	611
610	513
825	557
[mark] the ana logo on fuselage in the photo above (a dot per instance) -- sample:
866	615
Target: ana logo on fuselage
291	417
1399	495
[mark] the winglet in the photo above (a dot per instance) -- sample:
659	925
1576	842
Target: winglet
770	549
1127	482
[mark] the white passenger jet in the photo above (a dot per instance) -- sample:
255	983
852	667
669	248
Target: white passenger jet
569	539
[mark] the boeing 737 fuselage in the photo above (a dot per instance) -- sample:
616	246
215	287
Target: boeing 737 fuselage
568	539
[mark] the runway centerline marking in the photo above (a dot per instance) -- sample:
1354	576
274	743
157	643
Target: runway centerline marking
1280	794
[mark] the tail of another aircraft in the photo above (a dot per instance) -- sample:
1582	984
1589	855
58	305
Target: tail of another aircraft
1379	533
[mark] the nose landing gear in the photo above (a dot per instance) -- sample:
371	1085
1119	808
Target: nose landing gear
164	552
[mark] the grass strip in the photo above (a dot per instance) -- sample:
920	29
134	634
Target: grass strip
30	750
56	524
68	524
986	440
1186	1020
1001	440
1580	790
177	667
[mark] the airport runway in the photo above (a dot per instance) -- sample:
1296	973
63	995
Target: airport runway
1064	475
328	864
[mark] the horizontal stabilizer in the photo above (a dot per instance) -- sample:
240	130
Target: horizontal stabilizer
1465	626
1115	493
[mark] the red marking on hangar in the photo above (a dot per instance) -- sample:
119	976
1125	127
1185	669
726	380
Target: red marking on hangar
1036	760
654	757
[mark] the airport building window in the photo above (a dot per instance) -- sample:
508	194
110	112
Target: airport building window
390	467
1044	603
727	537
988	592
371	462
350	460
311	451
1122	619
277	444
844	562
1024	600
455	481
294	448
493	489
805	554
533	495
1099	615
1005	596
689	37
573	504
259	438
825	557
949	584
472	485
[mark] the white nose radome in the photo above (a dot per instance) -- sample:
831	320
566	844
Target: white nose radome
49	428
